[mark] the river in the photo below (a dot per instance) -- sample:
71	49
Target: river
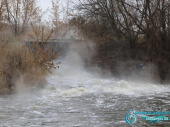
73	97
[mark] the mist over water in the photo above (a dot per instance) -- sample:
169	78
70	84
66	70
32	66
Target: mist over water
73	96
73	74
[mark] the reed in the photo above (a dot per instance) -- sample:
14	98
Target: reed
23	67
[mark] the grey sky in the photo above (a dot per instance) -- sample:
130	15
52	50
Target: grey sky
46	4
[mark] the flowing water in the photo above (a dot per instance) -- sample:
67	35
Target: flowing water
75	98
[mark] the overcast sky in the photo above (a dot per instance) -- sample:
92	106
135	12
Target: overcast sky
46	4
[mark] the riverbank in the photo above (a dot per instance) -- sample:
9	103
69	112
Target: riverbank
112	58
20	67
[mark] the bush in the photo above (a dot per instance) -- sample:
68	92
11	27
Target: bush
22	67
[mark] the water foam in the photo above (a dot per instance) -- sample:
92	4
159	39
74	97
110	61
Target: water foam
72	79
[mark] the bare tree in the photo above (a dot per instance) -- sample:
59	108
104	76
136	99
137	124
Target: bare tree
151	20
1	14
19	13
55	12
133	20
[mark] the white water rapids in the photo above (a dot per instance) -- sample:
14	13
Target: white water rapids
73	97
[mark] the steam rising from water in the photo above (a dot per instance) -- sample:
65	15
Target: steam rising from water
72	79
76	97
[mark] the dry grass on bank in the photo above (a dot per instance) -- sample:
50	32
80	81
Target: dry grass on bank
22	67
